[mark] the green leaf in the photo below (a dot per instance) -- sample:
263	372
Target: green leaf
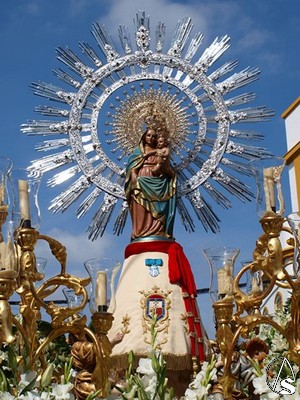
67	370
12	359
256	366
155	363
141	389
131	357
29	387
171	393
47	375
130	361
3	382
92	396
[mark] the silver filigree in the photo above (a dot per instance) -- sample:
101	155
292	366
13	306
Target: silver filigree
100	118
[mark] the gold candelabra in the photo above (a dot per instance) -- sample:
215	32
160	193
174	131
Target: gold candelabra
240	313
22	278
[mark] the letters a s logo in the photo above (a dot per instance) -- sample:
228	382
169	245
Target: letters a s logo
287	387
281	366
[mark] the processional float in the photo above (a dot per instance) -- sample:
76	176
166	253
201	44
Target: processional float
107	99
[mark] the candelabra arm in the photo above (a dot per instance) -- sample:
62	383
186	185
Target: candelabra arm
60	314
58	250
292	329
26	239
223	313
76	327
7	286
252	301
19	326
268	252
290	283
32	299
224	336
268	257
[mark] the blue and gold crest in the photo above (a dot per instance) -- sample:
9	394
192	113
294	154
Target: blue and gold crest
156	302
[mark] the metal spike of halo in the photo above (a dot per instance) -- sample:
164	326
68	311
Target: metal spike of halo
107	100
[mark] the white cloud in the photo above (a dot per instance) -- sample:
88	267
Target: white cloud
253	39
212	19
79	249
123	12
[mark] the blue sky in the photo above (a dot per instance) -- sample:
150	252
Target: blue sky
264	34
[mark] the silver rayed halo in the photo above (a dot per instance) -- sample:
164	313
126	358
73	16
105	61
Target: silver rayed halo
99	121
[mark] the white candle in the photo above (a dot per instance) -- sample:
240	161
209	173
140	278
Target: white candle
1	195
254	286
225	280
24	199
221	281
2	255
269	187
101	288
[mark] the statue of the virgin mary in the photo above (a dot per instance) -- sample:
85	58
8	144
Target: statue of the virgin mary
156	279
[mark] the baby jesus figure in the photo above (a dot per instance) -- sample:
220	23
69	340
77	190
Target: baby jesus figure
163	166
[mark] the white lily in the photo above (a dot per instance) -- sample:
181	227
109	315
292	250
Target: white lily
62	391
29	396
279	343
149	383
260	384
261	388
190	394
145	367
6	396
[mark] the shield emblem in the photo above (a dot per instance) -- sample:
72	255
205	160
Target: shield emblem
155	305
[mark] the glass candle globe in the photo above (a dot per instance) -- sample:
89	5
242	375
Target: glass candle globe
101	271
221	261
25	188
5	168
267	173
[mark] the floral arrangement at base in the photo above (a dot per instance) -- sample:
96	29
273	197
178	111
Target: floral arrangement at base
149	381
269	359
31	386
18	381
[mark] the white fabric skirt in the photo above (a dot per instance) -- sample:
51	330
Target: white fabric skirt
144	289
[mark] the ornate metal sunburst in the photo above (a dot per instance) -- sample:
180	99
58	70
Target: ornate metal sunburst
102	111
